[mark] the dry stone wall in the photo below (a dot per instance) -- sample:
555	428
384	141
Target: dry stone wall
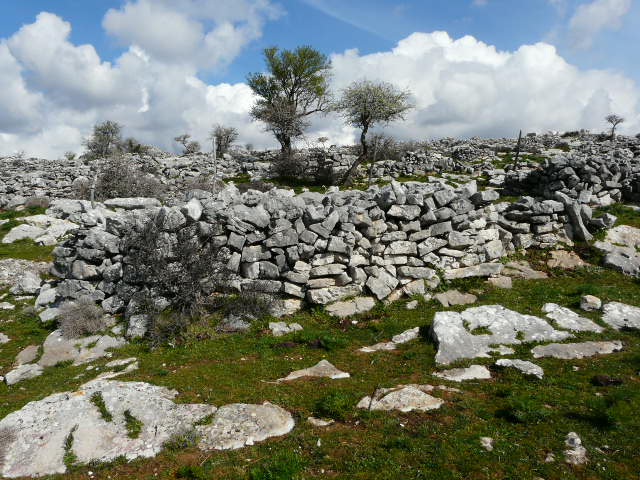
401	238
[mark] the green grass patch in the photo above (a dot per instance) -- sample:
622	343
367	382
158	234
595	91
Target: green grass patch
97	399
134	426
626	215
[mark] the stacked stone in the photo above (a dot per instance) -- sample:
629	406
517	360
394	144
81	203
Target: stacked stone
385	241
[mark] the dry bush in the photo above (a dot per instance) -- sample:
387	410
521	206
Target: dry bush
289	166
203	182
118	178
252	305
81	317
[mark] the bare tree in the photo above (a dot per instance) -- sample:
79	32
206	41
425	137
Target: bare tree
190	146
294	87
614	120
105	140
224	136
365	103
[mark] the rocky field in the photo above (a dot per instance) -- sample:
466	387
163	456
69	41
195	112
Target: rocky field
457	313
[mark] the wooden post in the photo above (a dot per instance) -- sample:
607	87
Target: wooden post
518	147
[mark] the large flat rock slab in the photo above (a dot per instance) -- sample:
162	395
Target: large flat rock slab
570	351
454	332
57	348
570	320
619	315
473	372
526	367
237	425
624	235
321	369
404	398
35	435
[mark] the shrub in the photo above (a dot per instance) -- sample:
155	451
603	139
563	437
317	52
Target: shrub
337	405
524	409
258	185
182	440
81	317
189	146
191	472
289	166
118	178
614	409
69	155
252	304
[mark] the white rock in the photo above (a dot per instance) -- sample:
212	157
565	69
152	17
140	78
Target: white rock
589	303
569	351
3	338
238	424
474	372
279	329
39	429
57	349
318	422
351	307
619	315
412	305
575	453
23	372
528	368
570	320
7	306
28	284
486	443
321	369
378	347
398	339
404	398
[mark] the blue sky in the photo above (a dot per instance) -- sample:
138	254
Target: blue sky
594	40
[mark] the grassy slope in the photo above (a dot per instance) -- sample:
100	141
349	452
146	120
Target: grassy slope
23	249
221	369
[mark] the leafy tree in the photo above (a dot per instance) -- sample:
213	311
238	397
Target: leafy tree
294	87
365	103
224	137
614	120
131	145
105	140
323	140
190	146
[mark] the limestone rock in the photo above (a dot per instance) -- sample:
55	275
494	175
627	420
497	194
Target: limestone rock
453	331
526	367
575	453
570	320
589	303
27	284
522	269
23	372
57	349
404	337
404	398
454	297
318	422
27	355
487	443
501	282
351	307
624	235
565	260
474	372
237	425
482	270
619	315
39	430
321	369
279	329
569	351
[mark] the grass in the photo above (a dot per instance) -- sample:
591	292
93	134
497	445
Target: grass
134	426
25	249
626	215
98	401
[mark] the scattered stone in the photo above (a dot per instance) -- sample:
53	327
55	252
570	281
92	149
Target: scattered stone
27	355
113	374
454	297
528	368
398	339
40	430
605	381
120	362
454	332
589	303
570	351
351	307
474	372
321	369
288	306
318	422
238	424
279	329
412	305
575	453
565	260
378	347
233	324
7	306
487	443
23	372
28	284
523	270
3	339
570	320
404	398
619	315
501	282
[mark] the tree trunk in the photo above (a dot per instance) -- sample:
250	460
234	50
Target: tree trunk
363	141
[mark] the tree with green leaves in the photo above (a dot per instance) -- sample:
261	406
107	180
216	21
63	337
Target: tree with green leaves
365	103
224	137
105	140
295	86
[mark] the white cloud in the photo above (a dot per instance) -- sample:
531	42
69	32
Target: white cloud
52	92
196	32
593	17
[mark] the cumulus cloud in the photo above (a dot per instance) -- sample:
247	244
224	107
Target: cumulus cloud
52	92
593	17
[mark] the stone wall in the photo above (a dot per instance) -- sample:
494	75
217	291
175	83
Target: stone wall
401	238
